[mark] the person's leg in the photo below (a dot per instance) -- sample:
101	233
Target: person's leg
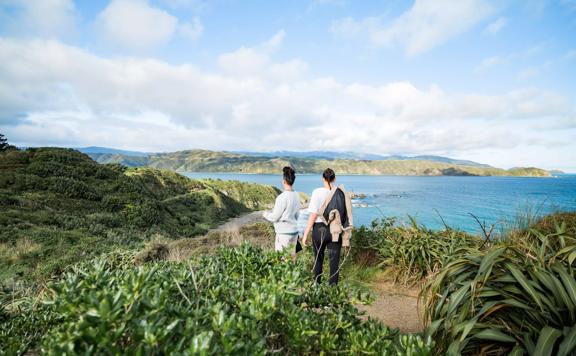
286	242
334	257
289	243
292	247
278	243
318	247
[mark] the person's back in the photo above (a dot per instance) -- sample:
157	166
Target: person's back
316	200
285	214
321	235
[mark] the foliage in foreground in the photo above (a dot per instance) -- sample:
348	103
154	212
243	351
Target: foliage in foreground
411	253
239	301
516	296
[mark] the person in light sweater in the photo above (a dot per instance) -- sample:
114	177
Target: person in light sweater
285	214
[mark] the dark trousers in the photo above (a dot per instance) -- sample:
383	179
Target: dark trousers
322	240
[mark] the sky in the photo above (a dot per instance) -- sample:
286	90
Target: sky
488	80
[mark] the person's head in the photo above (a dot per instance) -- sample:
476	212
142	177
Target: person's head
289	176
328	176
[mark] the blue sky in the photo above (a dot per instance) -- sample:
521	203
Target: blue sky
486	80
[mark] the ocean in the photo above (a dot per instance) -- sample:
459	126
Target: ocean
494	200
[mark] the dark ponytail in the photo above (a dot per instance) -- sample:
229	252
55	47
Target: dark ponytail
329	176
289	175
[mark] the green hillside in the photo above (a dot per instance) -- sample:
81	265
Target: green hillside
211	161
59	207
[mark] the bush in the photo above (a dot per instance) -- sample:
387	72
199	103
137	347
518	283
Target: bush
112	203
72	188
105	219
24	182
146	214
512	297
410	253
239	301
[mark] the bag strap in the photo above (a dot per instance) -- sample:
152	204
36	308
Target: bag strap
327	201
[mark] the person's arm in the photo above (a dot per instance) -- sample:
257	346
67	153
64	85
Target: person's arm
313	210
309	226
276	213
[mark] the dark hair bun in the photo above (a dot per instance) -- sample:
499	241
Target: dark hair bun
329	175
289	175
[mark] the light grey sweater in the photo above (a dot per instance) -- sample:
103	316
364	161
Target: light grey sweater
285	213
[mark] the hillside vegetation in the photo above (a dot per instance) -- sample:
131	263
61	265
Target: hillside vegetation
211	161
59	207
515	295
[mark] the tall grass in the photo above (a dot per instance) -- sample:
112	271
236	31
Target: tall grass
525	217
409	253
517	296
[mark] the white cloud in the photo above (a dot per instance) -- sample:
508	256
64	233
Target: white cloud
528	73
495	27
489	62
274	42
136	24
514	57
536	70
42	18
256	62
427	24
73	97
191	30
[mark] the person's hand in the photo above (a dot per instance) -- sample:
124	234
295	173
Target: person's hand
304	239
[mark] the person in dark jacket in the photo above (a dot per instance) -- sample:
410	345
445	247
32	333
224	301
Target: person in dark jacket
330	221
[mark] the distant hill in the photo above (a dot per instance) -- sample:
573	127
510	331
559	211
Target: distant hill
93	150
106	150
213	161
360	156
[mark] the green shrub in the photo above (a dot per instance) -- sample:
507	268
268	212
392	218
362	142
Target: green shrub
410	253
106	172
7	199
253	196
105	219
113	203
24	182
513	297
72	188
239	301
146	214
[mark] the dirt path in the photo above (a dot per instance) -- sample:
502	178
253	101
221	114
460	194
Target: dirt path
237	223
395	306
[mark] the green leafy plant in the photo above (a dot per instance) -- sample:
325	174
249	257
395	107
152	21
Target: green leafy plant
516	296
238	301
411	253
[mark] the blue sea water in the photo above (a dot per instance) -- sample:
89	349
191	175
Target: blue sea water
495	200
